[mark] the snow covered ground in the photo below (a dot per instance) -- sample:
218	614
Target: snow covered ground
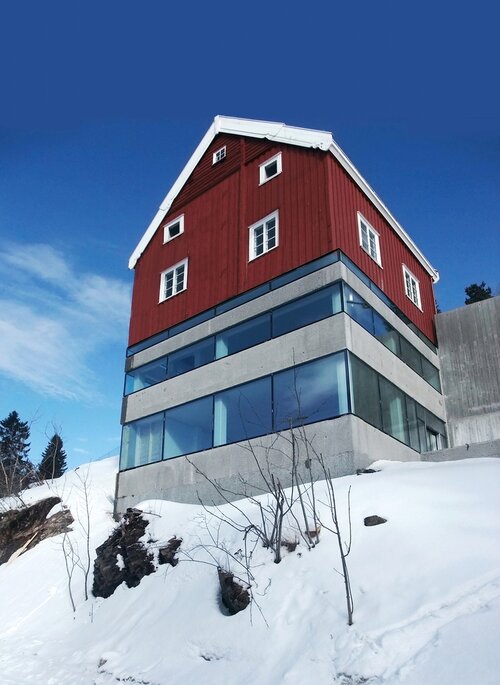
426	589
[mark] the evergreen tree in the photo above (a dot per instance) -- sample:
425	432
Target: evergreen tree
16	470
476	293
53	463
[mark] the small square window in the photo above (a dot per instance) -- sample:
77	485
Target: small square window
369	239
412	287
173	229
263	236
219	155
173	280
271	168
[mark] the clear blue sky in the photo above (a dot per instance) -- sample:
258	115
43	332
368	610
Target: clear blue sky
103	103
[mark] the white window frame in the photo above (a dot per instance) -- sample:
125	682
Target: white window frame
219	155
263	177
166	229
372	239
412	287
252	235
175	285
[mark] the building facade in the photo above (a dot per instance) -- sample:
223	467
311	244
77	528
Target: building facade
274	292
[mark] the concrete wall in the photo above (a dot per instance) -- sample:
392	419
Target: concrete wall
469	451
346	443
469	350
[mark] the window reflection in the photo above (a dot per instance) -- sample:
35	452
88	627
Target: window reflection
142	442
188	428
310	392
243	336
146	375
243	412
191	357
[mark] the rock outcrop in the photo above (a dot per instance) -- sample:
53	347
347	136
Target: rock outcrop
23	528
167	554
234	597
122	557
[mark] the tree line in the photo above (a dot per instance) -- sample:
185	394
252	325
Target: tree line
17	471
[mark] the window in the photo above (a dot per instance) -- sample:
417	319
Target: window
173	280
270	169
219	155
243	336
412	287
173	229
311	392
307	310
263	236
365	395
142	442
243	412
145	376
369	239
188	428
191	357
358	308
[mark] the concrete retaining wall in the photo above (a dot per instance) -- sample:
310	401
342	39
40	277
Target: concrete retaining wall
469	350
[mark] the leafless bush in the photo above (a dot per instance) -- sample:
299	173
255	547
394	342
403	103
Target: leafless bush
285	515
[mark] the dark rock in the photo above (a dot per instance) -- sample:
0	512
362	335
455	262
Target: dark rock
374	520
234	597
22	529
166	555
360	472
136	561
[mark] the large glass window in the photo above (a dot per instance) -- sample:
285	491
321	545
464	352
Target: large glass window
191	357
431	374
307	310
142	442
243	412
393	411
146	375
411	356
365	393
243	336
310	392
188	428
358	309
411	413
384	332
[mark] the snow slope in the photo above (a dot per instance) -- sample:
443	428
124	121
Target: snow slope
426	589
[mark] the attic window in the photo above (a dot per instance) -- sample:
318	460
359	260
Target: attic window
173	229
219	155
271	168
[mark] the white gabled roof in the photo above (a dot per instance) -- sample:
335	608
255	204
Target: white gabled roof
279	133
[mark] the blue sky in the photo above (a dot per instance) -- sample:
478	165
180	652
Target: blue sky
102	105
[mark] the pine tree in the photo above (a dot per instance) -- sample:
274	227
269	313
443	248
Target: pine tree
16	470
477	293
53	463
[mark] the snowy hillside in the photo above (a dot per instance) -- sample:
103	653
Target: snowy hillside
426	589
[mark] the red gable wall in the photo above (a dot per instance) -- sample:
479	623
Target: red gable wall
318	204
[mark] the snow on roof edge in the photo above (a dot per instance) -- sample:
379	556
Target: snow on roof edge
281	133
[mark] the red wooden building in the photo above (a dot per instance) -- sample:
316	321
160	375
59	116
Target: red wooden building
265	215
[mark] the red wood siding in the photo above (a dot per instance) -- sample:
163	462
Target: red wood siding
346	201
317	203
